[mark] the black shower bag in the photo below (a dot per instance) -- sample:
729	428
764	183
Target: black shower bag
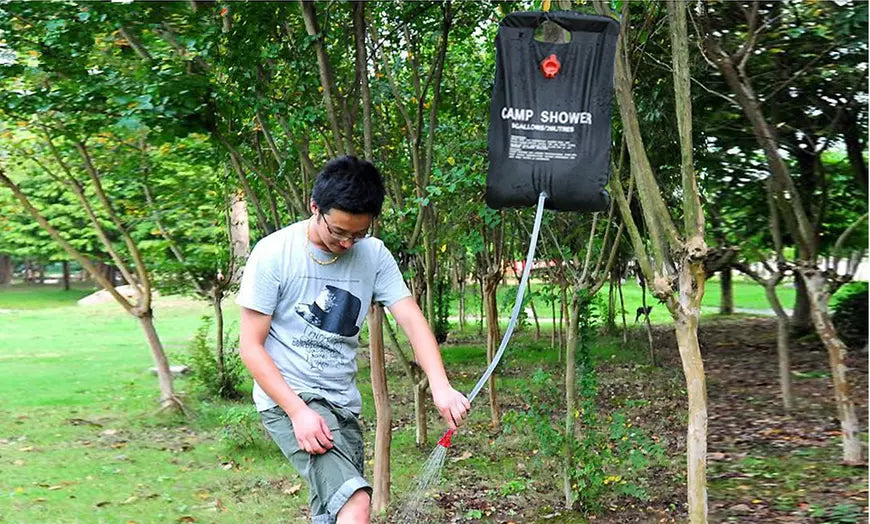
549	118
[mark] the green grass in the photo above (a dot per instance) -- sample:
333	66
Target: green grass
80	440
37	296
79	436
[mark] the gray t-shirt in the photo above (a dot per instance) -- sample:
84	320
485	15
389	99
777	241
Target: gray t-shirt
317	310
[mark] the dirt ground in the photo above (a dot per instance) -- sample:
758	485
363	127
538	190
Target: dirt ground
763	465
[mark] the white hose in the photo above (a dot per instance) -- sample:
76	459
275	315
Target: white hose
530	258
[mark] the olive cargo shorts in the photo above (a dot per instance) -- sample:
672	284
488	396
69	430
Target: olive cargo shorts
333	476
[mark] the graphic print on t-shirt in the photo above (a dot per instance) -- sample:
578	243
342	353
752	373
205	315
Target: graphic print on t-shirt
335	310
331	317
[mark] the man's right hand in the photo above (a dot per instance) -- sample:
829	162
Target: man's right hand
312	431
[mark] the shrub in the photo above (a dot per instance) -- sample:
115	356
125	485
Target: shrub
442	312
240	427
608	453
206	374
849	307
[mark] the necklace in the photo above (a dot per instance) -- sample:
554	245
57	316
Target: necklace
311	253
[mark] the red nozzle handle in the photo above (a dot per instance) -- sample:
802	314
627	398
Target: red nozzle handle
550	66
445	440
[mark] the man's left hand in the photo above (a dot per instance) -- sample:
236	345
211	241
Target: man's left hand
452	404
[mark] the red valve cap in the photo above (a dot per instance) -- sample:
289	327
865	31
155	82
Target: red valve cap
550	66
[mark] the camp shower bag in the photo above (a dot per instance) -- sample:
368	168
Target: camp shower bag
549	118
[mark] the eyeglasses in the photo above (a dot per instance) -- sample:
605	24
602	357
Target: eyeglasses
344	238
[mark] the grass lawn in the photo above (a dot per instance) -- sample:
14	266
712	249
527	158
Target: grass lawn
35	296
80	440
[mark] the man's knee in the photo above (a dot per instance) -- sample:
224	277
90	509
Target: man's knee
357	509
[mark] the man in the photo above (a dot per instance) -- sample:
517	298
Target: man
304	295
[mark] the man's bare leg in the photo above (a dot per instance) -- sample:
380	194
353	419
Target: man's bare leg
357	509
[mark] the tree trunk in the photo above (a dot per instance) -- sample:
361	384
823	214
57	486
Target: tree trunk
855	150
801	322
696	438
429	273
570	396
534	311
481	316
563	308
815	282
782	347
168	399
492	339
611	307
384	415
5	269
647	326
65	279
553	322
422	425
240	233
462	302
622	308
726	302
217	298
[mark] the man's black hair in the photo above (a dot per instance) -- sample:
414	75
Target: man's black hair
349	184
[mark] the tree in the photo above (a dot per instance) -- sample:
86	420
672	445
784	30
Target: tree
73	85
674	260
797	212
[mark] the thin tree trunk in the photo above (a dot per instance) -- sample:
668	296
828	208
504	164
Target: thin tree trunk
481	317
647	326
326	79
240	234
815	281
422	426
262	221
531	301
429	270
696	438
563	308
801	322
782	344
570	396
65	265
384	415
553	321
622	309
782	351
168	399
5	269
492	339
217	298
726	303
534	312
418	381
611	307
462	301
855	150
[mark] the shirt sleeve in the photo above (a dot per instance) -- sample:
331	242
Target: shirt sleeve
389	285
260	280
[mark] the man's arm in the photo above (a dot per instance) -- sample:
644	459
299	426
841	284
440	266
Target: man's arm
452	404
312	432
